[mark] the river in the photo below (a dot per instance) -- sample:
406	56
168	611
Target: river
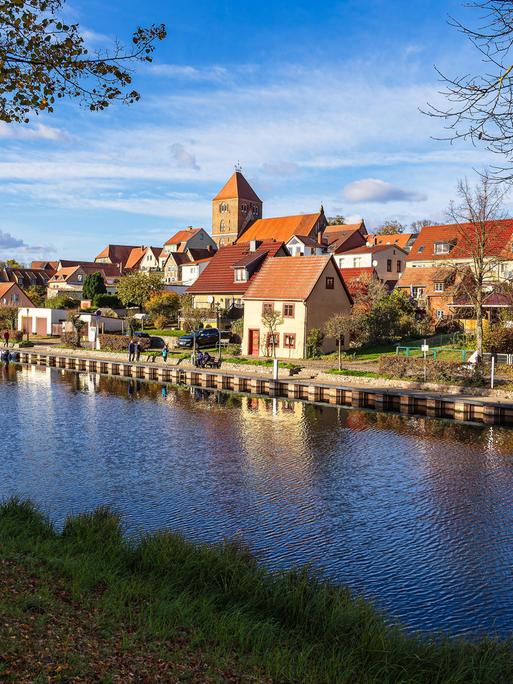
413	513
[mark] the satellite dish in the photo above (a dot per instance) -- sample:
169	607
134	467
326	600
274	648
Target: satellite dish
374	263
211	299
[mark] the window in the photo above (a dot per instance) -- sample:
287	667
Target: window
79	278
442	248
267	307
244	208
417	292
222	226
273	337
330	283
439	287
357	262
241	275
288	311
289	340
439	313
421	249
389	265
398	266
223	207
255	211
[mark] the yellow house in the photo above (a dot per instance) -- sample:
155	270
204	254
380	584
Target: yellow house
304	291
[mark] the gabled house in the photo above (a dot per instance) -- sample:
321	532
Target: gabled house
283	228
344	236
388	261
176	262
25	277
230	271
302	245
128	258
48	266
305	292
403	240
191	270
12	295
433	287
69	280
189	238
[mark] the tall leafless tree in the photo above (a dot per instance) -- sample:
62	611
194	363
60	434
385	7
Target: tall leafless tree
482	238
480	106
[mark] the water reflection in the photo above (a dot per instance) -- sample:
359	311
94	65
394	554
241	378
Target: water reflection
414	512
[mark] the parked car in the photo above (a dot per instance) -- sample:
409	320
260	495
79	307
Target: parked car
208	337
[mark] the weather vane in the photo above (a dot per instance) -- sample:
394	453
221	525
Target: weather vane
238	167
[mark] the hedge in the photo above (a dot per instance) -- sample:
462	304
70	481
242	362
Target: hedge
108	301
120	342
407	368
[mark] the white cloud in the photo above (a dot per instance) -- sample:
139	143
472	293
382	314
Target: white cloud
183	158
375	190
187	72
36	131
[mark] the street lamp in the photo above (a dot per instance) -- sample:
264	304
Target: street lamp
218	320
28	323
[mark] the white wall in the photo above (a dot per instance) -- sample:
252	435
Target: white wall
51	316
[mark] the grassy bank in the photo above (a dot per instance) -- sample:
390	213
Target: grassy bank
86	605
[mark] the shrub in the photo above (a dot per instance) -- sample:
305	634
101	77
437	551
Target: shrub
499	339
233	350
314	342
61	302
69	339
120	342
417	370
160	322
107	301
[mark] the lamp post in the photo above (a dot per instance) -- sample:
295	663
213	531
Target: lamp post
28	324
218	320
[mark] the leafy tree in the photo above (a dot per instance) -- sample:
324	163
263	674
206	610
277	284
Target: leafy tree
94	285
391	228
136	288
337	220
192	317
164	305
44	59
314	342
271	320
62	301
37	293
9	317
107	300
339	327
13	263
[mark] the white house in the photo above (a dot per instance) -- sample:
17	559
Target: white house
191	271
40	321
388	261
305	246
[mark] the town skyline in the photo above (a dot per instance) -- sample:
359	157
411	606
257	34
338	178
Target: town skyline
309	121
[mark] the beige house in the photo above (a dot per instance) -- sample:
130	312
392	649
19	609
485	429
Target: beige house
305	291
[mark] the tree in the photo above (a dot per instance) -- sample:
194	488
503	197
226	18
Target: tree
9	316
165	305
337	220
417	226
62	301
271	320
37	294
480	239
192	317
339	327
314	341
94	285
390	228
12	263
77	325
480	106
44	59
136	288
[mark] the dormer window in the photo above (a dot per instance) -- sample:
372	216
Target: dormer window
442	247
439	287
421	249
241	275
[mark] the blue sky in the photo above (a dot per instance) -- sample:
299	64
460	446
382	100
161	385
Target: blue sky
318	101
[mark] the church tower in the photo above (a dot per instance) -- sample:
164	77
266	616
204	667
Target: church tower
234	208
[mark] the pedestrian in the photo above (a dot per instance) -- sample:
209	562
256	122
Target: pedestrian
6	338
131	350
165	352
137	350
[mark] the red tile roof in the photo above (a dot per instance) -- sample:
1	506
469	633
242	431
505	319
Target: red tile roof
396	239
373	249
218	276
183	236
281	228
462	236
307	240
347	228
289	278
118	254
426	277
237	187
353	277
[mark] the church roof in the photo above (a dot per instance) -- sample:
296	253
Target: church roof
281	228
237	187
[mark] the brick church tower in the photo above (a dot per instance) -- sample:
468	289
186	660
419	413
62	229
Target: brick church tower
234	208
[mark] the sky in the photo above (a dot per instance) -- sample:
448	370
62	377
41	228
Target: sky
319	102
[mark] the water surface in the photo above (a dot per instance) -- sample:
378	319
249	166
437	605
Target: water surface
415	513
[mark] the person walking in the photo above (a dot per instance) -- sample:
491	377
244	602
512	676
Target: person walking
137	350
6	338
131	350
165	352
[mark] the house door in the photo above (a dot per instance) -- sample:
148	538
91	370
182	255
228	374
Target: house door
254	343
26	324
41	326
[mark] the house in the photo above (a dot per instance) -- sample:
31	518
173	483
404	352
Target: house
345	236
48	266
25	277
192	270
69	280
11	294
283	228
230	271
453	243
40	321
190	238
174	263
115	254
302	245
388	261
403	240
305	293
433	287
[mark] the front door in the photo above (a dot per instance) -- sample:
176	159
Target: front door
41	326
254	343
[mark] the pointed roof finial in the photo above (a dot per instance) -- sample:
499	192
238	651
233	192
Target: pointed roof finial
238	167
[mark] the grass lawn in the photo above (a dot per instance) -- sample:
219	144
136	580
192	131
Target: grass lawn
164	332
85	605
354	373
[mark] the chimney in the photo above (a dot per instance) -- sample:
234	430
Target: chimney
253	245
